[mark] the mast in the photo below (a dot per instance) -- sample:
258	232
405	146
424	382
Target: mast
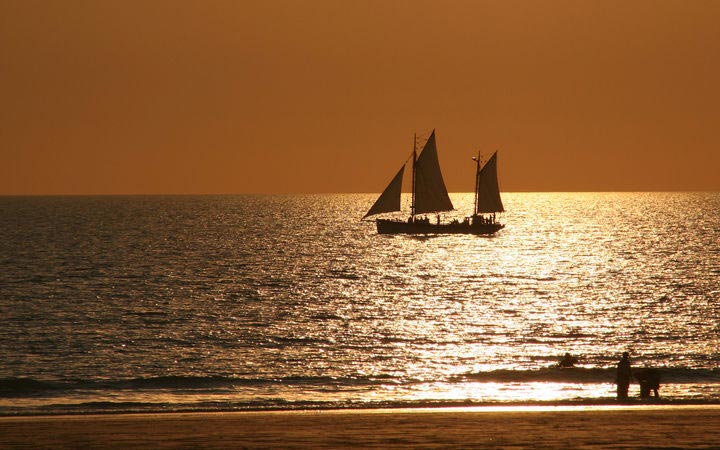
477	182
412	202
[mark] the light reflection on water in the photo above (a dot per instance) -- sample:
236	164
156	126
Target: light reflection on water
297	290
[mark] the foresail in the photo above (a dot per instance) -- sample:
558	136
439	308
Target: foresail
430	192
488	191
389	200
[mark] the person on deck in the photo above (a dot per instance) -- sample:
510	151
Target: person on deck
623	376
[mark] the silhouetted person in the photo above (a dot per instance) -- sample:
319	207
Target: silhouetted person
623	377
649	379
567	361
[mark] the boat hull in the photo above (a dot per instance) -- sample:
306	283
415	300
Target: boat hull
385	226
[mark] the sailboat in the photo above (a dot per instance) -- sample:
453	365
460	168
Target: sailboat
429	195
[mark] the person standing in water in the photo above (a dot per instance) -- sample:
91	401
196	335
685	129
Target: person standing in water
623	376
567	361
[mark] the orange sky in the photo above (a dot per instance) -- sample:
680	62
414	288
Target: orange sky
128	97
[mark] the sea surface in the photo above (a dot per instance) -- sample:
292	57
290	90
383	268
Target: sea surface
176	303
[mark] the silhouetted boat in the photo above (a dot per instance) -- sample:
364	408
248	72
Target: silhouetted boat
429	195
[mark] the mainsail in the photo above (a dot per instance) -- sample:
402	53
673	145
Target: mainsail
431	195
389	200
488	192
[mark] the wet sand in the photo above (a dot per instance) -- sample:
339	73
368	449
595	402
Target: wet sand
573	427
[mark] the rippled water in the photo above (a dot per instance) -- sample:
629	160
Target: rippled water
133	303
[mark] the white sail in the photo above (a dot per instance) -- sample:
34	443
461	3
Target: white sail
389	200
488	191
430	192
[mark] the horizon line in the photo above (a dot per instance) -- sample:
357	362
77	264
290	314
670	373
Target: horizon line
210	194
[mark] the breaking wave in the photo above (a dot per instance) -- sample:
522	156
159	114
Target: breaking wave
19	387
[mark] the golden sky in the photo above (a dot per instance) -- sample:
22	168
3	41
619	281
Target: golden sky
172	96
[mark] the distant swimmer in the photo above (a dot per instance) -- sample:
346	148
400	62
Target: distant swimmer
568	361
623	377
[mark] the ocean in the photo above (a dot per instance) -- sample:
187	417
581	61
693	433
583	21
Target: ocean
199	303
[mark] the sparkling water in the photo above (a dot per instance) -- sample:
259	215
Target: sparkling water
255	302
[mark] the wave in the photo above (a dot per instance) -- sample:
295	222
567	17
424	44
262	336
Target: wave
21	387
674	375
11	387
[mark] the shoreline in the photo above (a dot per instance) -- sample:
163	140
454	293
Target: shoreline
586	426
505	407
118	409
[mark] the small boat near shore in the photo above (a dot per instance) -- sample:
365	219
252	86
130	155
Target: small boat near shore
430	196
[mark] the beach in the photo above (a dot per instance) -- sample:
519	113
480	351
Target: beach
512	427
